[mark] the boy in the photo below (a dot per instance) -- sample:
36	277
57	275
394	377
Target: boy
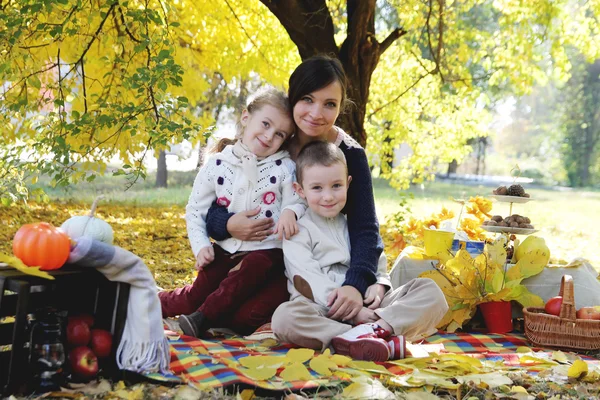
316	261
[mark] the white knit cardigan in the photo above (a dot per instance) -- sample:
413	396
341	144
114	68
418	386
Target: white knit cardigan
227	178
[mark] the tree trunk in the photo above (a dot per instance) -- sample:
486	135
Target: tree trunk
310	26
161	170
452	168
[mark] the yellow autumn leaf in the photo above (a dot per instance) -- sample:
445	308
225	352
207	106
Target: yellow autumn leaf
367	389
17	264
492	379
523	349
299	355
340	360
247	394
578	370
262	361
531	264
531	360
472	361
327	353
496	252
369	366
261	373
322	365
295	372
559	356
518	389
342	375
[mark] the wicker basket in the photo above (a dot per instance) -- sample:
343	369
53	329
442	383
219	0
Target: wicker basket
564	331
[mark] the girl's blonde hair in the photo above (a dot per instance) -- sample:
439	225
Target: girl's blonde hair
266	96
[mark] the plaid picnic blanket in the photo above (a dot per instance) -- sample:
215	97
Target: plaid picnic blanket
214	363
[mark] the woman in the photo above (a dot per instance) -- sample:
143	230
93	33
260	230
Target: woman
317	93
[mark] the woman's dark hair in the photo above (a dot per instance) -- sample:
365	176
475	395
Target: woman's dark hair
314	74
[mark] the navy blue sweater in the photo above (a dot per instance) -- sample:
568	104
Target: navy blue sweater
363	227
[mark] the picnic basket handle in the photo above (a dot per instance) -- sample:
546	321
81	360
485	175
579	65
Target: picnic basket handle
567	309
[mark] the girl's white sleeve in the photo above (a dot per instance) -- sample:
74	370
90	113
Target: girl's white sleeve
202	196
300	262
290	199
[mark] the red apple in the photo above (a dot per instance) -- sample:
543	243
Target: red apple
101	342
87	318
83	362
78	333
553	305
588	313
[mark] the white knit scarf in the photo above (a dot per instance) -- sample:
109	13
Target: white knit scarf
143	346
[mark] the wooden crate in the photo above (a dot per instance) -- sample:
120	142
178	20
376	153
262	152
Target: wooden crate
75	290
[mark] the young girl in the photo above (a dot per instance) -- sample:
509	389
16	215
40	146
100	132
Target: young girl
251	173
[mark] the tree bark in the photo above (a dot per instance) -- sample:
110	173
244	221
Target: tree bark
310	26
161	170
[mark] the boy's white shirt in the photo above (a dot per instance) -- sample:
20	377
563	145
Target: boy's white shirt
237	187
320	254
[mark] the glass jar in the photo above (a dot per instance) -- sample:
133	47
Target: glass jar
46	351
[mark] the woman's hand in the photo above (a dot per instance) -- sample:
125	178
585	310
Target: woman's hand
345	303
286	225
241	226
205	256
374	295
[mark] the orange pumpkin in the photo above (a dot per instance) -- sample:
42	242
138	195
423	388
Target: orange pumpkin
41	245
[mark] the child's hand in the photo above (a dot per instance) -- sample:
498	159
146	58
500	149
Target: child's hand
364	316
286	225
374	295
345	303
205	256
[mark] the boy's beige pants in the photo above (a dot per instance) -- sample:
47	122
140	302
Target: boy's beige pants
413	310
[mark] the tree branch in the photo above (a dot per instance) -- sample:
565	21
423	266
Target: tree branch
94	37
85	106
397	97
392	37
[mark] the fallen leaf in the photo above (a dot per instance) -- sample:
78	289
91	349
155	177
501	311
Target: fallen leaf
247	394
523	349
493	379
367	389
559	356
369	366
16	263
340	360
322	365
300	355
578	370
262	361
296	372
261	373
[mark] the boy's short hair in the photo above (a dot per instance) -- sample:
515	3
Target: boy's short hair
319	153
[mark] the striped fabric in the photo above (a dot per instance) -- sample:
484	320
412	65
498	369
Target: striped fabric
215	363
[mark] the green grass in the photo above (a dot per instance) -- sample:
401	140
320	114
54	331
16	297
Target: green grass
568	220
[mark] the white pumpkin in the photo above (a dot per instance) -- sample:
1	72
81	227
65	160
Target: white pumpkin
89	225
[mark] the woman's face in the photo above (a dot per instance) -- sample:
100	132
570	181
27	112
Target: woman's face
316	112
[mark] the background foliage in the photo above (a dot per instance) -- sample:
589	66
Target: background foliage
85	83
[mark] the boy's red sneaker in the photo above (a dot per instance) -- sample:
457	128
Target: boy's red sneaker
362	343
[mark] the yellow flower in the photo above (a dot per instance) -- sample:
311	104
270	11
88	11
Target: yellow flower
484	205
473	229
414	226
432	221
445	214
